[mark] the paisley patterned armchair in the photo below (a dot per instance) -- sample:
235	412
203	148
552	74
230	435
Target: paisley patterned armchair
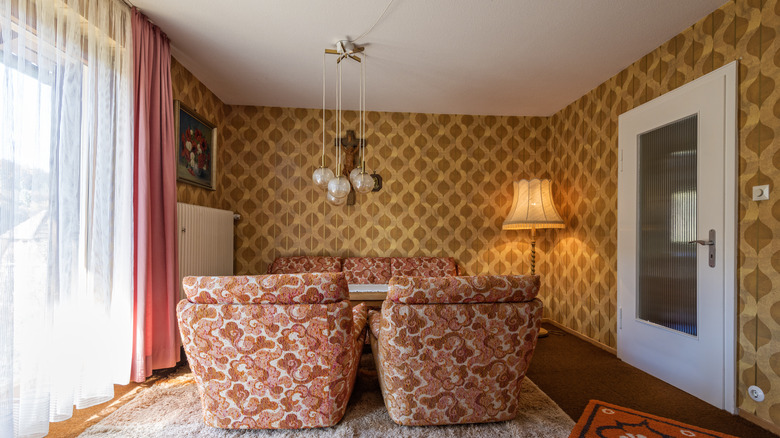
272	351
453	350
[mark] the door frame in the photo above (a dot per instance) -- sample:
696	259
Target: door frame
728	75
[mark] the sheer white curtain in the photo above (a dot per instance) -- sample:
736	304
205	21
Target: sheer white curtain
66	208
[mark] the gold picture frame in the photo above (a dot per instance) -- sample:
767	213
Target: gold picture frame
196	147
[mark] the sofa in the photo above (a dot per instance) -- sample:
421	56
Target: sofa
272	351
453	350
367	270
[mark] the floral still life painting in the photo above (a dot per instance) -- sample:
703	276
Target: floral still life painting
196	148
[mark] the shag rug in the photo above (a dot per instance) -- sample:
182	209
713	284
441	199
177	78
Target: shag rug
602	419
172	408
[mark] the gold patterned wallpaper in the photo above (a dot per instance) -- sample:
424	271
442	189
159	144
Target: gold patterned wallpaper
447	185
188	89
584	168
432	203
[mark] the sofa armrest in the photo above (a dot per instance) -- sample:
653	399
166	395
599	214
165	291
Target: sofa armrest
374	322
359	318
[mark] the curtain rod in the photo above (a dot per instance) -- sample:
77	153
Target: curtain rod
132	6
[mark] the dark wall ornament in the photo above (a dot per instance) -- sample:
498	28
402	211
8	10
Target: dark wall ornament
351	146
377	182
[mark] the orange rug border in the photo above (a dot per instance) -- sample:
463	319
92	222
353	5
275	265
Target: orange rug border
590	410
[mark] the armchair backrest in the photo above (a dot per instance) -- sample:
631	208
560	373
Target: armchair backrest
454	350
270	351
464	290
317	288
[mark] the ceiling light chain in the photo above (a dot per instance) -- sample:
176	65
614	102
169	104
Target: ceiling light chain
338	187
361	180
375	23
323	174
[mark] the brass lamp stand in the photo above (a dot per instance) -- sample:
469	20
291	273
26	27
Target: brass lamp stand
532	208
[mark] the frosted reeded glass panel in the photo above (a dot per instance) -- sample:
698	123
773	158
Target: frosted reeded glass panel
666	283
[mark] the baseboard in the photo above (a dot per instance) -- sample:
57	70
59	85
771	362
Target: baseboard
604	347
775	429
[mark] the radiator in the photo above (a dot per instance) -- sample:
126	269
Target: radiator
205	241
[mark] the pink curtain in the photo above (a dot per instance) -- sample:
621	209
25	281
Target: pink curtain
155	340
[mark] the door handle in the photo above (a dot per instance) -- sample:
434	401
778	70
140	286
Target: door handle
711	244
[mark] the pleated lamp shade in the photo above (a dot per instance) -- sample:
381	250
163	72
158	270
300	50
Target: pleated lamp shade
533	207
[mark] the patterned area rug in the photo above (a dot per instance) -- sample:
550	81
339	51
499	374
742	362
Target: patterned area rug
605	420
172	408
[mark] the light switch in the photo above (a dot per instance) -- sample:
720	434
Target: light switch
761	193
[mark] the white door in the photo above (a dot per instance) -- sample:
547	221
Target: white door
676	184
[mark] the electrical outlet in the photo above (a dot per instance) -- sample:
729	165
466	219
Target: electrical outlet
756	393
761	193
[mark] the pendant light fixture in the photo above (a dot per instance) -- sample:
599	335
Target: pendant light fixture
337	184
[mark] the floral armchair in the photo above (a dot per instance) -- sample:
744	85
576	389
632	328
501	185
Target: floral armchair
452	350
272	351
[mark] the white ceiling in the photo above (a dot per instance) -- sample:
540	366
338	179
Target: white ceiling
496	57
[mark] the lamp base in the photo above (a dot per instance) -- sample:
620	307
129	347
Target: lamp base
543	333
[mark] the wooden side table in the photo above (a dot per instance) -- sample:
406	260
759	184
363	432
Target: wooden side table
371	294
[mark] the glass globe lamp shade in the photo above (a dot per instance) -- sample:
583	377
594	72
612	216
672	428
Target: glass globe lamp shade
353	176
337	201
322	177
364	183
339	187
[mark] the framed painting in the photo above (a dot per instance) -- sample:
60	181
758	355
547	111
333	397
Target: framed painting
196	147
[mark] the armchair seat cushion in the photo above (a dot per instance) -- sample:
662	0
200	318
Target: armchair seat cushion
374	322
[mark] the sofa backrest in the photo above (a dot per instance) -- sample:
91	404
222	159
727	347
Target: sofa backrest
301	264
423	266
367	270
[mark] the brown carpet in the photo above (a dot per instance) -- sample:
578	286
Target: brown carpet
572	372
172	408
